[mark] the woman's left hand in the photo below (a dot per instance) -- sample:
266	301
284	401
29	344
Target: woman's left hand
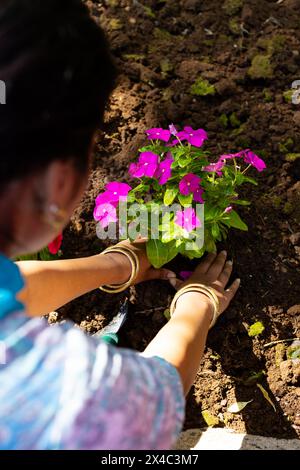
147	272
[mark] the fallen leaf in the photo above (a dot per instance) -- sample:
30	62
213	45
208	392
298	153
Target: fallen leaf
266	396
256	329
238	406
209	418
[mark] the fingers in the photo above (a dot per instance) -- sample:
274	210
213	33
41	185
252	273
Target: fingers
166	275
161	273
176	283
225	274
204	266
217	265
232	290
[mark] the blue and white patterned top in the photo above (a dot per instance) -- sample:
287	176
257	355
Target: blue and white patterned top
61	389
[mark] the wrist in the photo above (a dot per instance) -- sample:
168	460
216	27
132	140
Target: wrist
121	267
195	302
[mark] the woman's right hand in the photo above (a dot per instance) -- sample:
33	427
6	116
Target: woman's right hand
214	272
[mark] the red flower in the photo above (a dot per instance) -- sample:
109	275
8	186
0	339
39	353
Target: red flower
54	246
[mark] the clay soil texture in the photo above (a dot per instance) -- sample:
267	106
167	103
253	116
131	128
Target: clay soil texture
249	51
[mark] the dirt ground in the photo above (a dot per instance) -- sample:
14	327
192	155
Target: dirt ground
250	52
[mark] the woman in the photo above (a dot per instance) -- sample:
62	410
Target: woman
61	389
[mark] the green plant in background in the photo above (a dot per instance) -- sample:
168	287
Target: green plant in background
288	95
261	67
202	87
232	7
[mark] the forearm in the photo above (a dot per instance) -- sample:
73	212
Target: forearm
181	341
51	284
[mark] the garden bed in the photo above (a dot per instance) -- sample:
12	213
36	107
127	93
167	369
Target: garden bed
162	48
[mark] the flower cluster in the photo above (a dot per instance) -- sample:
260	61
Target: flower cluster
248	157
173	168
105	210
149	165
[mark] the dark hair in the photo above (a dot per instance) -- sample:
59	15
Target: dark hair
58	72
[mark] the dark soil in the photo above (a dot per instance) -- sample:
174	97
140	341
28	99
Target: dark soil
161	47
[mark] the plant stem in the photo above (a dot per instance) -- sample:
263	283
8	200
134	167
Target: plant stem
246	169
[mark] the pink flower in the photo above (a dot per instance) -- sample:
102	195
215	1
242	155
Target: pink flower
114	192
54	246
254	160
133	167
158	134
173	129
164	172
215	167
105	198
223	158
117	191
185	275
189	184
169	156
105	214
173	143
228	209
187	219
198	195
146	166
194	137
249	157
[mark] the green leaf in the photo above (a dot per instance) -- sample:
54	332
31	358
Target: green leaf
238	406
170	195
209	245
233	220
32	257
140	188
178	151
160	253
183	161
185	200
241	202
254	377
131	198
266	396
192	254
248	179
293	351
210	419
45	255
215	231
211	212
256	329
156	186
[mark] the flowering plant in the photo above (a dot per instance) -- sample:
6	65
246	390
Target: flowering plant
182	202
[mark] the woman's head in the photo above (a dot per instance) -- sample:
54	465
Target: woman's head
58	73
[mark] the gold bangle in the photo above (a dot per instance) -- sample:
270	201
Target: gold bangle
202	289
135	267
132	259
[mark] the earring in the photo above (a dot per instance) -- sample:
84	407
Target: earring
57	216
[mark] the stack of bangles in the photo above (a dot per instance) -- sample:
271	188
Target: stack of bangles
202	289
135	268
